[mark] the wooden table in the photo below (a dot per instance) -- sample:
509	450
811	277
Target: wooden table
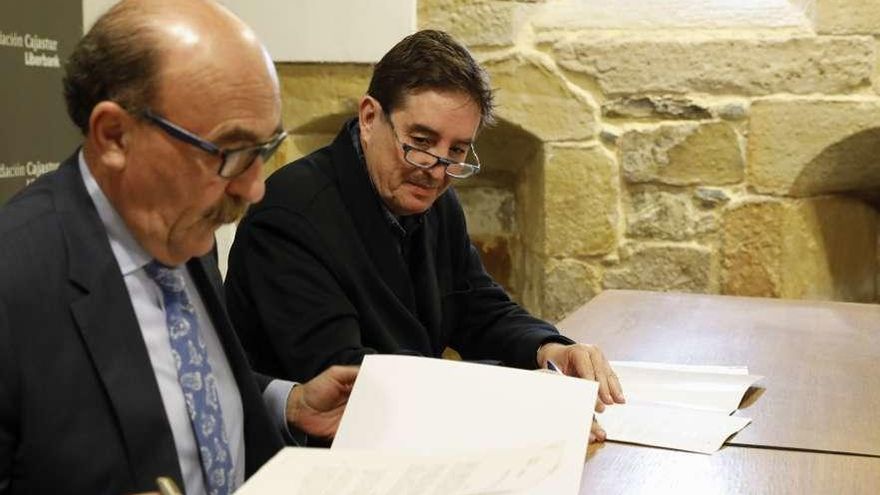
815	416
820	360
629	469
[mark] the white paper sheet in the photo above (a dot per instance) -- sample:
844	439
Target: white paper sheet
712	388
432	406
682	407
677	428
303	471
704	368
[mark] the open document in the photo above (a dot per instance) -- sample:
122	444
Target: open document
302	471
680	407
423	406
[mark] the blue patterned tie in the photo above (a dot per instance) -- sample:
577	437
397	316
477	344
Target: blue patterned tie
196	379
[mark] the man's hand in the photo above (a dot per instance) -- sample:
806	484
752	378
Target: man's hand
316	406
585	361
597	433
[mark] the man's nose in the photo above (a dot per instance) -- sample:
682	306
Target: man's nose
438	171
249	186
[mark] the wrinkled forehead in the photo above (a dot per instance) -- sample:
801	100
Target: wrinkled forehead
219	80
452	115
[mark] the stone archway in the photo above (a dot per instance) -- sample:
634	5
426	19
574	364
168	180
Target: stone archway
810	234
494	202
566	185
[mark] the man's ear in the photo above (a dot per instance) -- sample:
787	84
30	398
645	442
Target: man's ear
110	128
368	112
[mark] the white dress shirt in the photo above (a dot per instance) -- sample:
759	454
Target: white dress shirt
147	301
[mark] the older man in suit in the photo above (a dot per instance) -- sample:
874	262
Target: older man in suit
117	360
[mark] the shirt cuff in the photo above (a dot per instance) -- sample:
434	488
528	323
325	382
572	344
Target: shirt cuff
275	397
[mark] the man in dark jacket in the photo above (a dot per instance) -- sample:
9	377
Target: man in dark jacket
361	247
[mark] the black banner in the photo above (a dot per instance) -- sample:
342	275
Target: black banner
36	37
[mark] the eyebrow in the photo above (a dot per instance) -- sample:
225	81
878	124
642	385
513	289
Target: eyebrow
241	134
421	128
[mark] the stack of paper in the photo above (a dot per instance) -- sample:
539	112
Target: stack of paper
680	407
301	471
403	404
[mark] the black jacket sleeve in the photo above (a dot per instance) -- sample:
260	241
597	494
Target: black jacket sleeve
490	325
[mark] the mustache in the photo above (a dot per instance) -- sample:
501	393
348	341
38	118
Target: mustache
228	210
421	178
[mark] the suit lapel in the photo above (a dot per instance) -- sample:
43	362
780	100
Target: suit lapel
110	332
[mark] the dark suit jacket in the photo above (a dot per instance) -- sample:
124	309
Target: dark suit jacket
80	410
316	277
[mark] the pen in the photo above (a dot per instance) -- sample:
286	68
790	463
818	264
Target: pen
167	486
552	367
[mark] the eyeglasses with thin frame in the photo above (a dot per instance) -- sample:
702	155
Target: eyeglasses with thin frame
426	160
233	162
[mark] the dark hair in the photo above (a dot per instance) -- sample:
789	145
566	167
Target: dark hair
116	60
430	59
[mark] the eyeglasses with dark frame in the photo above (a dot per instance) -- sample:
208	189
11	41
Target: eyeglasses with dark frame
233	162
426	160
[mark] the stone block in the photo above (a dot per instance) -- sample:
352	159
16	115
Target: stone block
677	17
817	248
706	227
655	107
752	243
876	78
495	252
317	98
683	154
846	16
654	214
536	98
528	279
672	107
488	210
505	147
294	147
803	147
731	110
474	23
531	208
744	66
609	134
580	201
709	197
568	284
683	268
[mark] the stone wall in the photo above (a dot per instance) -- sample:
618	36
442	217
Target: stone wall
716	151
